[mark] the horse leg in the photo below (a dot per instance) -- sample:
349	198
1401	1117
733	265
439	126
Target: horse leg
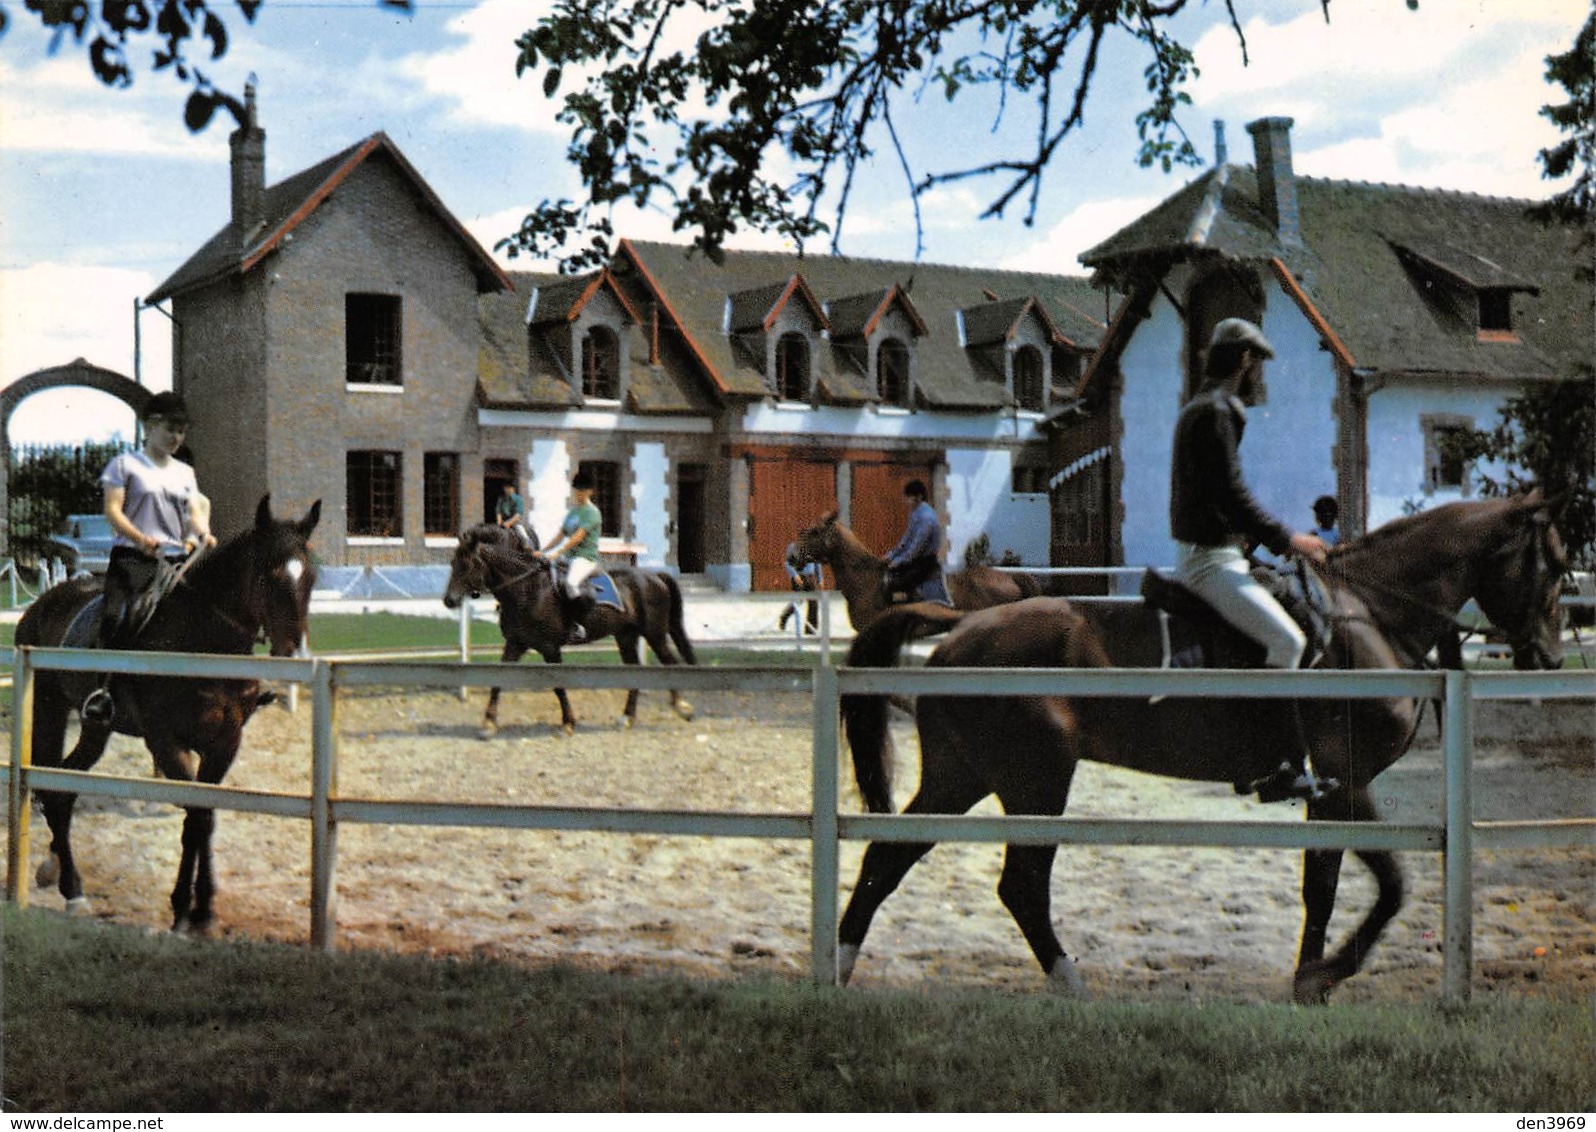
1321	873
1025	886
1316	979
626	641
49	738
886	863
661	644
513	651
552	655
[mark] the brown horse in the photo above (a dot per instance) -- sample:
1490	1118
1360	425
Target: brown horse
859	573
258	581
490	559
1394	593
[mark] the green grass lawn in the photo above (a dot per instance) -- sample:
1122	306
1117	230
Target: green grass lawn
101	1018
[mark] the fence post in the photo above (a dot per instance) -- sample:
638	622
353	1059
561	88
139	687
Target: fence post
19	807
465	640
323	830
823	841
1457	857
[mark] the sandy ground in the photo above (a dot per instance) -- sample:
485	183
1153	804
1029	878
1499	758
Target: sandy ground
1144	923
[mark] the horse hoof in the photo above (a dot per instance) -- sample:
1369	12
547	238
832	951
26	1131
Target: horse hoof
78	906
1312	986
1067	981
684	709
568	729
49	871
487	731
847	957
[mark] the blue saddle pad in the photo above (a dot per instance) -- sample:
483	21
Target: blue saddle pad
602	587
83	632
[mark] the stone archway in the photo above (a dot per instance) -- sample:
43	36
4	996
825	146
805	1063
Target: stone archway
75	373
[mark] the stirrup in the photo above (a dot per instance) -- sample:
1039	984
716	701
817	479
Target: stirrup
577	635
99	708
1290	782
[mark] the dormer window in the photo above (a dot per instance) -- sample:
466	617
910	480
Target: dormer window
1475	288
892	373
792	367
1496	311
601	364
1029	378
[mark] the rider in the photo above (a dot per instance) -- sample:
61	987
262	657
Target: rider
1212	514
510	512
578	545
914	559
155	508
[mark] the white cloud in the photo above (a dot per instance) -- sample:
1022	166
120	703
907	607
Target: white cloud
1059	249
57	105
52	314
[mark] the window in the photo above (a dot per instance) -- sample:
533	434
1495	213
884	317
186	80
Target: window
371	340
1496	311
1030	480
606	494
375	504
1028	378
792	368
601	364
1078	507
1445	467
892	373
440	493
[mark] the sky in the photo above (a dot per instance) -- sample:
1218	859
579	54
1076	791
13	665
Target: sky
105	193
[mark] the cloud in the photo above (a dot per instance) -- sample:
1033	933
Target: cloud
55	105
1059	249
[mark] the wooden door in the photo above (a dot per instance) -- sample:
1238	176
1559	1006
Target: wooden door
879	511
784	497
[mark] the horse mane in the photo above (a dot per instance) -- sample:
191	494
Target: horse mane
1408	528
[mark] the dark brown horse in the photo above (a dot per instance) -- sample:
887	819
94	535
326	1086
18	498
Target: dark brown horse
1394	593
859	572
258	581
490	559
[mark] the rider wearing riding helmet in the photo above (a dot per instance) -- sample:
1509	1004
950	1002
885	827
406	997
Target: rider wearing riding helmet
155	508
1213	515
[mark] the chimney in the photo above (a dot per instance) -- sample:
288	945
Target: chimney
1221	153
248	144
1277	184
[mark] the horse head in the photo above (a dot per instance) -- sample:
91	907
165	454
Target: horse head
1519	583
283	573
482	556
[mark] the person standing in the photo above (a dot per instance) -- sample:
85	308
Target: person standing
1326	511
803	578
917	555
157	514
578	548
1213	515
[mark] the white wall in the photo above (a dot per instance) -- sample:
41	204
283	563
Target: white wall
1151	364
651	502
1396	440
980	501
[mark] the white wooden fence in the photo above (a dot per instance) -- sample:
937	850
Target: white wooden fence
1457	838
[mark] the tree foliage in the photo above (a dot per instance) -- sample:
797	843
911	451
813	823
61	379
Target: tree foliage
766	120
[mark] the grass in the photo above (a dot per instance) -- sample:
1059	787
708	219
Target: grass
101	1018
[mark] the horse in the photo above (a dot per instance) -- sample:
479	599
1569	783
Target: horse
859	573
490	559
1392	595
257	582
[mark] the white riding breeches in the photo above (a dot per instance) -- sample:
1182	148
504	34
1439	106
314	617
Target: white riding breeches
579	571
1220	576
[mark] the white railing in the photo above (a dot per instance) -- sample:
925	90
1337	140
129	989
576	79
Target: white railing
1457	838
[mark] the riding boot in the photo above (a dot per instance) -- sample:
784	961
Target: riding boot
1293	778
576	611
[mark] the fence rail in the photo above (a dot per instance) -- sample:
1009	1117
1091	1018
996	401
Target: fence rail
1457	838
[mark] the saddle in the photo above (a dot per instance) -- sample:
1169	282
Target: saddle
1196	636
599	586
933	589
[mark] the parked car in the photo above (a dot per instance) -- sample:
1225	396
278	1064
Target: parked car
86	545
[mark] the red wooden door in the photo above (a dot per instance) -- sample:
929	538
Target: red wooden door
784	497
879	511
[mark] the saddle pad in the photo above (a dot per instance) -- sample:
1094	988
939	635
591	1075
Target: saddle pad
602	587
83	632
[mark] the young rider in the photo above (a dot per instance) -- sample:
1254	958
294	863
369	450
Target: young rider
578	547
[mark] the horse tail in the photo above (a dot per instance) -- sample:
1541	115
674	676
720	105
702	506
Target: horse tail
678	619
864	718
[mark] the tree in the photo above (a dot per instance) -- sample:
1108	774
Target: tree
702	129
1547	434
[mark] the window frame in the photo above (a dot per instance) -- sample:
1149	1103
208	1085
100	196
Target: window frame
1028	351
896	350
600	344
445	506
782	361
373	340
1437	460
381	522
608	480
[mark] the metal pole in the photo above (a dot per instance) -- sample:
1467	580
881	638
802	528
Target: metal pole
823	840
19	807
323	830
465	638
1457	858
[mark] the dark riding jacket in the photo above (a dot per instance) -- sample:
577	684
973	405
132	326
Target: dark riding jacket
1209	503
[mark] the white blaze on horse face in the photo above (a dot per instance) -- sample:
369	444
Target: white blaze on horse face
295	569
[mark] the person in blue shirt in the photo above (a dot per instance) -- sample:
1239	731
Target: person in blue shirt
917	555
804	578
1325	513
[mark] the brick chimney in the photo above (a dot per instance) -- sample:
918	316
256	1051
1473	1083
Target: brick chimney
1277	184
1221	151
248	144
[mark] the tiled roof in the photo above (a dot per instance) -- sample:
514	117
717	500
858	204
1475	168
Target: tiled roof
1389	268
286	204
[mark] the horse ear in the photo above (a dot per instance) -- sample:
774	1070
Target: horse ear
263	512
830	518
308	523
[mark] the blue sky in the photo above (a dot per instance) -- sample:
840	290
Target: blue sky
106	193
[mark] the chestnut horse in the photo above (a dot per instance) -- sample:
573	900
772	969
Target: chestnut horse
258	581
859	573
491	559
1393	594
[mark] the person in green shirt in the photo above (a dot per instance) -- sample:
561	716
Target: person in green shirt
578	547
